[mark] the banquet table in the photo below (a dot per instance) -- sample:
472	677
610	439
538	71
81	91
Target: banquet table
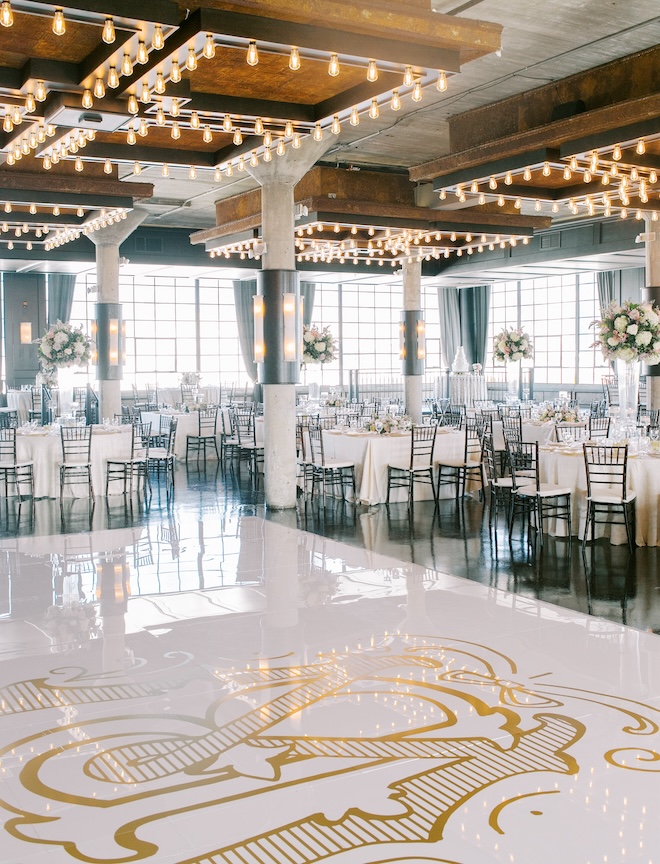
20	401
466	388
172	395
43	447
372	452
188	424
565	466
531	432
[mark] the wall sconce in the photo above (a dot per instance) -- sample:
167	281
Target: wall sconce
277	309
25	331
412	342
108	332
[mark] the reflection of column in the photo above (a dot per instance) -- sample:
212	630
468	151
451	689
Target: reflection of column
416	622
281	633
652	292
413	347
277	179
113	590
109	369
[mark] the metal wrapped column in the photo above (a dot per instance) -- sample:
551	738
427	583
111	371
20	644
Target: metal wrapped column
109	337
412	343
278	345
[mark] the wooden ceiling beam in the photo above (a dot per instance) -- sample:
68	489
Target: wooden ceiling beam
142	153
355	95
210	102
617	134
156	11
499	166
21	183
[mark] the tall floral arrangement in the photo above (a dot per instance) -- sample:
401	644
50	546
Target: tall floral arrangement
319	345
629	332
64	345
512	344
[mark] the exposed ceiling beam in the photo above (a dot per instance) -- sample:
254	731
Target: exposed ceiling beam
609	137
244	105
22	186
157	11
499	166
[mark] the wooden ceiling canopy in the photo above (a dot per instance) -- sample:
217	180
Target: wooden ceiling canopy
569	149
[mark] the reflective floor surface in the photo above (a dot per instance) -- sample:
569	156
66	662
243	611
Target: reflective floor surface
208	683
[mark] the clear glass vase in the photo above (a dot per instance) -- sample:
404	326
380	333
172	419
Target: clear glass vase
627	373
65	383
513	373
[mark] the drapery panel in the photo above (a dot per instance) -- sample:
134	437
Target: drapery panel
307	292
450	324
606	288
60	296
474	306
244	291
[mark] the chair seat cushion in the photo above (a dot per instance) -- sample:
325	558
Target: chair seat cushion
458	463
158	453
11	466
76	465
546	490
334	466
604	498
407	468
502	483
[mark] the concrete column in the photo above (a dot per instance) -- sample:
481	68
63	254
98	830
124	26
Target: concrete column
277	179
107	242
412	299
653	281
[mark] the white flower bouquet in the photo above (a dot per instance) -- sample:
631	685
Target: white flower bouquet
557	415
629	332
71	625
190	379
64	345
318	345
388	423
335	402
47	376
511	345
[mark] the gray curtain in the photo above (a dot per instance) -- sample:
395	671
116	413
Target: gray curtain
606	288
60	296
474	306
244	291
450	324
307	292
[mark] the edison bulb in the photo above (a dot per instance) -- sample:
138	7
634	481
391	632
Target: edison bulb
40	92
127	65
355	117
108	34
336	125
159	85
6	15
99	88
142	55
207	137
113	78
294	60
194	120
318	133
288	128
87	100
442	81
333	67
372	71
374	110
157	38
191	60
237	138
396	100
175	72
59	24
417	92
252	54
209	47
133	106
107	167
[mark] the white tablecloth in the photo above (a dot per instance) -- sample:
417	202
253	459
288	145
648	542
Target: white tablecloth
567	469
465	389
188	424
45	451
21	401
172	395
372	453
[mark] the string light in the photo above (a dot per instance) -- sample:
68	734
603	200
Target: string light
254	159
175	72
209	47
229	170
252	54
294	60
165	170
40	92
372	71
6	15
137	168
145	95
217	174
395	104
127	65
87	100
192	173
258	126
113	77
108	34
355	117
442	81
267	154
7	124
107	167
176	131
160	116
237	139
288	128
280	149
130	136
641	147
78	164
226	123
194	120
207	137
318	133
374	110
546	169
336	125
295	143
133	107
99	88
616	153
417	92
143	131
159	85
157	38
142	55
59	24
191	60
527	173
333	68
174	108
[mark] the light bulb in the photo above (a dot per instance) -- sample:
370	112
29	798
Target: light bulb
133	107
573	164
159	85
537	204
267	154
55	157
258	126
517	203
408	78
288	128
127	65
546	169
41	134
492	183
87	100
527	173
252	54
99	88
194	120
500	200
280	149
157	38
333	68
191	60
653	176
294	60
336	125
11	159
6	15
217	175
605	179
40	92
442	81
254	159
143	131
318	133
641	147
7	125
130	136
209	47
395	104
567	173
145	94
229	170
108	34
78	164
241	163
207	137
355	117
25	146
295	143
175	72
174	108
226	123
417	92
372	71
160	116
238	138
176	132
142	56
113	78
587	176
47	163
59	24
192	173
165	171
268	138
137	168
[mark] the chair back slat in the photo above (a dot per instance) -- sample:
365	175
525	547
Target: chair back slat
607	468
523	459
8	445
76	443
422	444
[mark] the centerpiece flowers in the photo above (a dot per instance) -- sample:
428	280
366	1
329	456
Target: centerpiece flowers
511	345
388	423
190	379
557	415
319	345
64	345
629	332
71	625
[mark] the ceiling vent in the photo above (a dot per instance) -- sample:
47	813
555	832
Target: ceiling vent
66	112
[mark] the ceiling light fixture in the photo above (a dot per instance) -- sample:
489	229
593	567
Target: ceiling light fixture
175	72
142	55
157	38
294	60
208	135
372	71
395	104
6	15
252	54
59	24
191	60
109	34
113	78
333	68
99	88
159	85
40	92
209	47
127	65
442	81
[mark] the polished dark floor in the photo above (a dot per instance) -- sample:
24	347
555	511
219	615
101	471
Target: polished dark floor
608	582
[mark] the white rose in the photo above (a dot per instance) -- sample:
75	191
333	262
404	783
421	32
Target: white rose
632	329
320	346
612	341
515	337
621	323
308	337
626	354
643	338
517	355
652	318
502	346
67	351
79	348
45	349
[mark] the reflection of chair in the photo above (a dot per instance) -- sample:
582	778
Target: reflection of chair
36	394
610	389
163	458
420	465
8	419
500	488
76	464
136	466
465	467
607	490
530	496
205	437
337	474
12	472
248	449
